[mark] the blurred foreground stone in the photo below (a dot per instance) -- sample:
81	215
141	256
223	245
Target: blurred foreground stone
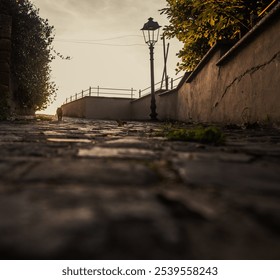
94	190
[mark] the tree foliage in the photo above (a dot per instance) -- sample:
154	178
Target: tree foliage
199	24
32	38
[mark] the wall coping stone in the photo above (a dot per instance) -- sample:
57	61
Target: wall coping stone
183	80
219	46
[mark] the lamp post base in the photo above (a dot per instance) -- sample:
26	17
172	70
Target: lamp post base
154	117
153	107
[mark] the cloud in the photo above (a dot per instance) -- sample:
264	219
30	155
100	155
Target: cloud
106	16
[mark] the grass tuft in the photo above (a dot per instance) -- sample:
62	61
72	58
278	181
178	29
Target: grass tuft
208	135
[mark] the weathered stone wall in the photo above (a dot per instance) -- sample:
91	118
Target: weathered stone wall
197	96
5	60
240	86
140	108
75	109
99	108
108	108
168	106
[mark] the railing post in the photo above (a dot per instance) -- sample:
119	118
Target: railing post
92	91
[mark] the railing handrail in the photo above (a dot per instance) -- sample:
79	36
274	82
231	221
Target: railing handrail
125	92
150	87
122	89
170	82
267	8
99	91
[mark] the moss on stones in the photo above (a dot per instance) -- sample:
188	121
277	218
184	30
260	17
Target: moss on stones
207	135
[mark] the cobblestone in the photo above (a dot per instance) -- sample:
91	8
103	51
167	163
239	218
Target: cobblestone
94	189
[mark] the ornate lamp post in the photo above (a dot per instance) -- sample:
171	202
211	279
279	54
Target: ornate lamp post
151	34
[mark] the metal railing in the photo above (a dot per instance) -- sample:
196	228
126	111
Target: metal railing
102	92
271	5
255	18
172	83
122	93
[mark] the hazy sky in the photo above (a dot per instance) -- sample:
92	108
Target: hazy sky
104	40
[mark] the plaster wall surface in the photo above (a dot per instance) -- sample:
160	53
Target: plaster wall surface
250	80
107	108
242	86
75	109
168	106
99	108
140	108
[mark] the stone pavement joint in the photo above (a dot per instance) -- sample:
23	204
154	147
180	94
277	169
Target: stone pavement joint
83	189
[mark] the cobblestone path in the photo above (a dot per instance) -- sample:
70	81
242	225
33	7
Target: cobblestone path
96	190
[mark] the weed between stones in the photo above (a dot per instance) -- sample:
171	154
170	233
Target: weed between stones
208	135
